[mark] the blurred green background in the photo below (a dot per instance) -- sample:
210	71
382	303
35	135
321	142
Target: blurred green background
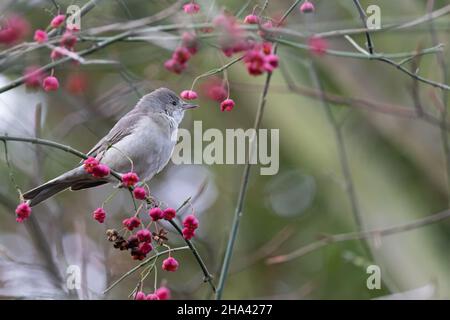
397	163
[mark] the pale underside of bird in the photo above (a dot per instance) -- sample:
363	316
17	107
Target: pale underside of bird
142	141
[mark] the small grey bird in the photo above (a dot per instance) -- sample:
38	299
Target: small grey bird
147	135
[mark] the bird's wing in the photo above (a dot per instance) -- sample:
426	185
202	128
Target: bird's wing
123	128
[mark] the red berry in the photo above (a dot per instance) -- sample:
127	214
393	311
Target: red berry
76	83
130	179
33	76
189	95
227	105
131	223
307	7
23	212
145	247
99	215
139	296
144	235
251	19
190	222
317	45
101	171
152	296
68	40
191	8
170	264
163	293
57	21
13	29
140	193
169	213
156	214
40	36
188	234
50	84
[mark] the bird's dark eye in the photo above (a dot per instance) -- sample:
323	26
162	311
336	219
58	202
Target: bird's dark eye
174	103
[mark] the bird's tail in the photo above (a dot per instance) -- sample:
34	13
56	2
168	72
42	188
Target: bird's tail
52	187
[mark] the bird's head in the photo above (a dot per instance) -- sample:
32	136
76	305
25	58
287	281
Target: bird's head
165	101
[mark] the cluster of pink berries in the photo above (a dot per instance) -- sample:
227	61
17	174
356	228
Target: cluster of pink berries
34	76
94	167
162	293
140	243
190	224
23	212
260	59
180	57
158	214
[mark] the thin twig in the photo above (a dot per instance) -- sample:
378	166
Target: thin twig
374	233
207	276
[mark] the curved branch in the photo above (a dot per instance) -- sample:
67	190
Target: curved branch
374	233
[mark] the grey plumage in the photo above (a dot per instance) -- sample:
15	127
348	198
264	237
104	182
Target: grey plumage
146	135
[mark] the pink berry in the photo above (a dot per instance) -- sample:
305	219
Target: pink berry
163	293
76	83
271	62
130	179
175	66
145	247
251	19
169	213
170	264
140	193
190	222
99	215
214	89
307	7
13	29
101	171
68	40
188	234
189	95
50	83
139	296
23	212
57	21
131	223
144	235
156	214
191	8
317	45
40	36
89	164
33	76
181	54
57	53
152	296
227	105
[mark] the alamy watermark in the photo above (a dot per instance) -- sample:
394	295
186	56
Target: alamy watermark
73	277
374	280
373	20
234	146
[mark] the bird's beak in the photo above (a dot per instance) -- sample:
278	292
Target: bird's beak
187	106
